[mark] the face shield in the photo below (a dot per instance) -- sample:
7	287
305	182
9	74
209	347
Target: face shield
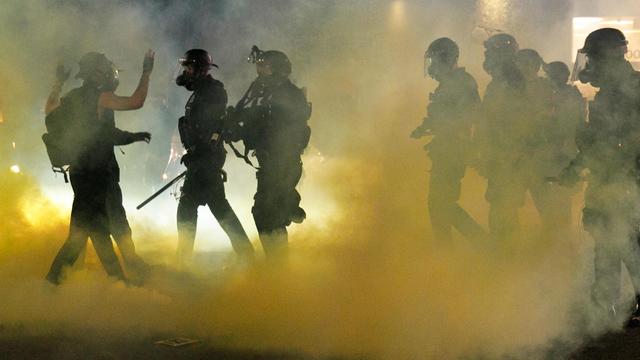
579	66
426	65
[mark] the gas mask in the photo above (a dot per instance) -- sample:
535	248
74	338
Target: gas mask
435	68
187	77
110	78
601	71
493	62
185	80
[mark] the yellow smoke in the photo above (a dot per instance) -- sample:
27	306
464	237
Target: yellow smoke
365	277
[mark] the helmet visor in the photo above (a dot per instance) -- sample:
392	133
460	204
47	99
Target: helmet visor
579	65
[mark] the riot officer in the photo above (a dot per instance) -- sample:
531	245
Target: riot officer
609	148
451	113
499	139
97	208
200	132
547	144
275	113
558	133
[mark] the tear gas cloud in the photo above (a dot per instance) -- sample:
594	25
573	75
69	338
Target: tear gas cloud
366	278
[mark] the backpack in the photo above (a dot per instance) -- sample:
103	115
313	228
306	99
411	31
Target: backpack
68	129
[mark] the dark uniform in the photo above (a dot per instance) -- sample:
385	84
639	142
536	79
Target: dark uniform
556	148
502	153
275	113
451	112
200	129
609	148
544	144
279	145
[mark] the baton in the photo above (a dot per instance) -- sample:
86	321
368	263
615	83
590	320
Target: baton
162	189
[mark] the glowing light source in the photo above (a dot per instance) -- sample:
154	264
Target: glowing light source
494	13
13	144
398	13
1	117
15	169
165	176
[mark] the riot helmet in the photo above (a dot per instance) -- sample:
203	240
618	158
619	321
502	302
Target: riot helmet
601	57
441	56
195	65
528	62
607	42
500	49
270	62
558	72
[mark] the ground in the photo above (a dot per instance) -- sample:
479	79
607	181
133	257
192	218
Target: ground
613	346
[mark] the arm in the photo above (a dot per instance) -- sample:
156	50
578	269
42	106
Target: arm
121	137
53	101
215	104
109	100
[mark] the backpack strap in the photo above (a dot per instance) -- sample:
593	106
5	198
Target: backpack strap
244	156
62	170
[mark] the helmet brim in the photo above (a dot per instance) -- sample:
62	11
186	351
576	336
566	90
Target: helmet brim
185	62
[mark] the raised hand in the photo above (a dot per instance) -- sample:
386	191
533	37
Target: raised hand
61	74
147	63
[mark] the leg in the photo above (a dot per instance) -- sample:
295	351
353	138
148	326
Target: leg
119	226
187	222
503	220
83	209
271	214
222	211
67	255
444	191
275	244
553	203
607	261
466	225
104	249
505	197
232	227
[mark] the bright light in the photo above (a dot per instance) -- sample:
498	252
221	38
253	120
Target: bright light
13	144
1	117
165	176
494	13
15	169
398	13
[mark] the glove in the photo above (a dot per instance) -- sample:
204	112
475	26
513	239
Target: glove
186	159
142	136
61	74
568	177
418	132
147	63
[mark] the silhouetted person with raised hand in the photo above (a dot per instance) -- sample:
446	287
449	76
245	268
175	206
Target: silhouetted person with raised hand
97	210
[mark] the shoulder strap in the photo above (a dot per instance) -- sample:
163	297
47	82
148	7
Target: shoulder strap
244	156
